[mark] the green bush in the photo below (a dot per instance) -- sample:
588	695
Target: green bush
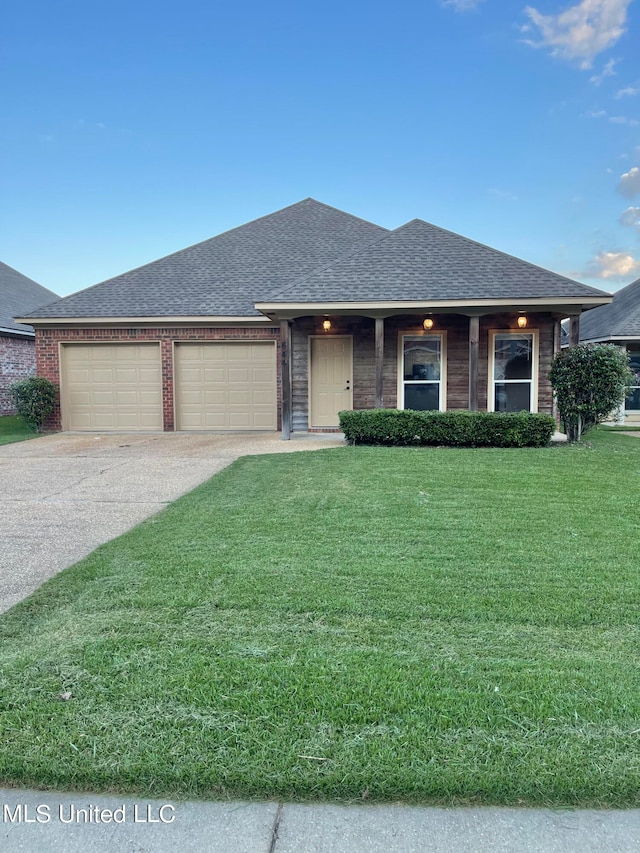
34	399
450	429
589	381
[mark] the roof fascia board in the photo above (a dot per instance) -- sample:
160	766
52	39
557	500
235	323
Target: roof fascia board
112	322
22	333
604	338
472	305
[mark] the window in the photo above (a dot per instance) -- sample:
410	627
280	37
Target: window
421	366
512	372
632	403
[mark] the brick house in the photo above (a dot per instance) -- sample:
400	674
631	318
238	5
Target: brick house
18	294
283	322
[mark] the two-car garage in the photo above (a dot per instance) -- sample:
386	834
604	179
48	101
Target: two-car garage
217	385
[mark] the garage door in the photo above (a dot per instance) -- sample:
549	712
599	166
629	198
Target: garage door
111	387
226	386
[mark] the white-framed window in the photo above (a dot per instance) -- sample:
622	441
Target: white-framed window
632	403
422	371
513	371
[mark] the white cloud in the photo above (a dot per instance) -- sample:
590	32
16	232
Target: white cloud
613	265
505	195
462	5
631	218
628	90
582	31
629	183
607	71
631	122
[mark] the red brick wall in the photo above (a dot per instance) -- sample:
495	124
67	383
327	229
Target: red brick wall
17	361
48	364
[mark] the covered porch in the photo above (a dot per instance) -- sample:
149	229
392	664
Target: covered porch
419	359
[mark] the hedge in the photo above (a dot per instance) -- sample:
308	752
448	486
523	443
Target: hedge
448	429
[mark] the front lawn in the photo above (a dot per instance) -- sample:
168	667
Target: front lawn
433	626
13	428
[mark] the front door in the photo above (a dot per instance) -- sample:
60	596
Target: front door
330	379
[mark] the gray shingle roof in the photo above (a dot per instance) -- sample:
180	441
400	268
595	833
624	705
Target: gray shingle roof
19	294
419	261
226	275
619	319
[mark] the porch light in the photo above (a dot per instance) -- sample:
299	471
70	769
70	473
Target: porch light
522	321
326	324
427	323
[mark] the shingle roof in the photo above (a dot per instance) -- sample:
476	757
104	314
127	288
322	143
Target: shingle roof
419	261
226	275
619	319
19	294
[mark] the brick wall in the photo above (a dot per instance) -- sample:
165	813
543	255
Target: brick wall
17	361
48	363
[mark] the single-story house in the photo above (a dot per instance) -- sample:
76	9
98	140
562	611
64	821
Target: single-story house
281	323
18	295
619	323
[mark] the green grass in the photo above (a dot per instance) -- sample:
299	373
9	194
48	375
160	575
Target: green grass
432	626
13	428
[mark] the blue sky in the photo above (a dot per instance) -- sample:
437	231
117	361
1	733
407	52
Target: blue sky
133	129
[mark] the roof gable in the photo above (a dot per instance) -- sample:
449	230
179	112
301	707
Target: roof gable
619	319
19	294
227	274
420	261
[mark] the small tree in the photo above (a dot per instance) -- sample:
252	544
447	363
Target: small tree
34	399
589	382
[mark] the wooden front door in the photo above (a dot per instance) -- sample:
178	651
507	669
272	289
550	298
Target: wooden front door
330	379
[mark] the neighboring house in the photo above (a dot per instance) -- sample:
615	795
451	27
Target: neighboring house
285	321
18	295
619	323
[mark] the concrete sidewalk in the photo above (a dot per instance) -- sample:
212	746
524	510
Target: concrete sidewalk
47	822
64	495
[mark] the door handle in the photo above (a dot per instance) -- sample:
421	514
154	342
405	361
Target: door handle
348	388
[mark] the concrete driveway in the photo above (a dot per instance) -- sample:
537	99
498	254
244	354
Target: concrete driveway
63	495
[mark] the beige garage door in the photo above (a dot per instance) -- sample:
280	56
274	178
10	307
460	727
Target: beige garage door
111	387
226	386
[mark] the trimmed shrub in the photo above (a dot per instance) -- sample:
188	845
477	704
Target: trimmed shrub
589	381
447	429
34	399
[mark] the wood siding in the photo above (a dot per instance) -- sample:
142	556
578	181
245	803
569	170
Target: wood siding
457	347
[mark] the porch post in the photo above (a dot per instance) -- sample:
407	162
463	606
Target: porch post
379	342
574	330
474	351
557	347
285	372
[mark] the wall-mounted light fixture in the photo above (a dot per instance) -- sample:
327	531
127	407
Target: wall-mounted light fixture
326	324
427	323
522	321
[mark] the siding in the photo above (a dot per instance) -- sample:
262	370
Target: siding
457	336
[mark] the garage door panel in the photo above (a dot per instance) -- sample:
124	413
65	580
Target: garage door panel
103	398
225	386
111	387
214	374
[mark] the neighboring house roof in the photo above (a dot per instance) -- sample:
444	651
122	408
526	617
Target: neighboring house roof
311	253
419	261
18	295
225	275
619	319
